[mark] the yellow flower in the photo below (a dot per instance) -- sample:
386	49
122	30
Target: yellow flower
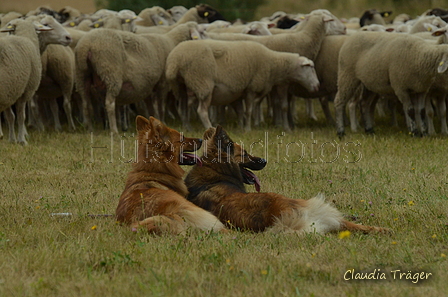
411	203
434	236
344	234
93	227
313	255
442	255
264	272
396	219
394	242
362	200
37	207
404	189
227	261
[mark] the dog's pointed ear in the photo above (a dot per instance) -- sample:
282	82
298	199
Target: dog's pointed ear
142	124
221	135
208	134
157	126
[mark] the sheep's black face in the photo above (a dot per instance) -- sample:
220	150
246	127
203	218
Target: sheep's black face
207	12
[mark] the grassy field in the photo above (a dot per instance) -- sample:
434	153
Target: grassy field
389	180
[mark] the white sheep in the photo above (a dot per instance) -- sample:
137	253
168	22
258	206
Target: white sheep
388	64
305	40
125	67
20	69
230	71
419	25
155	16
202	13
58	74
177	12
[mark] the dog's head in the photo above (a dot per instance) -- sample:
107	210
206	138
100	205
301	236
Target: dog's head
159	143
220	148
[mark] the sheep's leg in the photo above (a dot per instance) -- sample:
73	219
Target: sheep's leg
310	109
21	131
381	107
326	109
87	108
420	113
68	111
10	119
204	104
291	110
35	118
249	101
352	106
393	112
368	110
1	129
339	107
257	112
124	117
282	93
110	108
239	110
441	107
276	113
55	111
430	115
409	111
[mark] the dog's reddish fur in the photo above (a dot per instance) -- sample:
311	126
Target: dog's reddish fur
154	194
218	186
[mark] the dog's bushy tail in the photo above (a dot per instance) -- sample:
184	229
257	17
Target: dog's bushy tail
317	216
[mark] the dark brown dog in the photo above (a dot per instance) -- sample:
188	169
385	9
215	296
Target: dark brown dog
154	195
218	186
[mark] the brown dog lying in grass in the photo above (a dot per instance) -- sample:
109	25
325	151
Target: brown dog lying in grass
218	186
154	195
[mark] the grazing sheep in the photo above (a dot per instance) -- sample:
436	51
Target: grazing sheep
388	64
231	71
20	69
125	67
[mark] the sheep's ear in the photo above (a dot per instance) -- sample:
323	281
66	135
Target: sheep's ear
97	24
305	62
327	18
142	124
438	32
390	29
194	34
39	27
8	28
271	25
443	65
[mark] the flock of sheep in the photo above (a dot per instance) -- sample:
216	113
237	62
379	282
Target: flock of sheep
169	62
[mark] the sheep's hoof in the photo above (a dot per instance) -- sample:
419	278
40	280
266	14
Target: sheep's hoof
370	131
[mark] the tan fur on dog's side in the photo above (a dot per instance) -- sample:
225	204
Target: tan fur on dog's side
154	195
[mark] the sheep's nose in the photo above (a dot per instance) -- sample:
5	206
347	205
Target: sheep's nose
68	38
